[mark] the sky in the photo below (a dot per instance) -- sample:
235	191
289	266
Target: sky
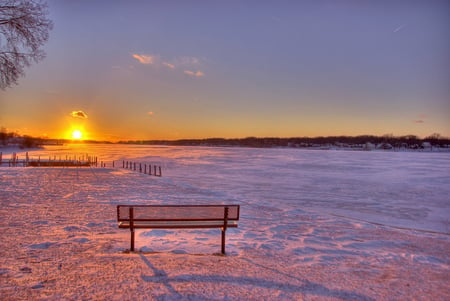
126	70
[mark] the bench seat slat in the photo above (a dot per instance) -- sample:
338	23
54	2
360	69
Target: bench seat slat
176	224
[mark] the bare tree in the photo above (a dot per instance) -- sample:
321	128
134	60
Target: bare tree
24	28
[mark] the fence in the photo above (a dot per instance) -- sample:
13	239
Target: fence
60	161
142	168
76	161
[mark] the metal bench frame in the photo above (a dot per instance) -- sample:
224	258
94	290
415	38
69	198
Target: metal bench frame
132	222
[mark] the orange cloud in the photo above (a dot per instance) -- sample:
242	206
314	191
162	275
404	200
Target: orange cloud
79	114
192	73
144	59
150	113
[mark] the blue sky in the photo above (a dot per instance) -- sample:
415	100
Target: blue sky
195	69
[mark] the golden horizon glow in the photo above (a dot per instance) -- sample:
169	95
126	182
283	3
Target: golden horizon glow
77	135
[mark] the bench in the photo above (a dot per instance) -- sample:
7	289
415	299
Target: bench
177	217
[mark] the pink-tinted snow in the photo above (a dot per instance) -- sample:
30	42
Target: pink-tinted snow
321	225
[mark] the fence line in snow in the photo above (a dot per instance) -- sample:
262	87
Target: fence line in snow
55	161
142	168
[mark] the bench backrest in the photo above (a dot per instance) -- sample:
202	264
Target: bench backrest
177	212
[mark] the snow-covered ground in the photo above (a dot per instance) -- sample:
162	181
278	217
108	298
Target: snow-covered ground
315	225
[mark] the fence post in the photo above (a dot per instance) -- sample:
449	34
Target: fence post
160	174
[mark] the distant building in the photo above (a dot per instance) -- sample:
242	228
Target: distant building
369	146
384	145
426	145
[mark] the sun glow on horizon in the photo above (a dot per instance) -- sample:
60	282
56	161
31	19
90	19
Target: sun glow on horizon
77	135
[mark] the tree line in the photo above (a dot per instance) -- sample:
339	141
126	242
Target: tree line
407	141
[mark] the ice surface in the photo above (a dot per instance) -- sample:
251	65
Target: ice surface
404	189
315	225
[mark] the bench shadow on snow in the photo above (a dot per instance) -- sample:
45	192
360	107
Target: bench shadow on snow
305	287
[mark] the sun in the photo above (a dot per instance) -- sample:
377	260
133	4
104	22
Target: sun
77	135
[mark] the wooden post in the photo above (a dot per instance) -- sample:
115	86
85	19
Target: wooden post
145	168
224	229
140	167
149	169
154	170
160	174
123	163
113	164
131	216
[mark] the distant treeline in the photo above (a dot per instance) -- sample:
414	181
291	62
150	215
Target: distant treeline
8	139
409	141
356	142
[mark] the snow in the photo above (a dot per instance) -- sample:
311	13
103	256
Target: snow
315	225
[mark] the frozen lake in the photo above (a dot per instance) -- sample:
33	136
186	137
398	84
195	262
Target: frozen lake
315	225
397	189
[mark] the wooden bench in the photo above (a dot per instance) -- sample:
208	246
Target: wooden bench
177	217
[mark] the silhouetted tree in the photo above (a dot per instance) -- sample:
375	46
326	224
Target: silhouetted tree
24	28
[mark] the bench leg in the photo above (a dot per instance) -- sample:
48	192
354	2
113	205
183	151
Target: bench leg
132	241
223	241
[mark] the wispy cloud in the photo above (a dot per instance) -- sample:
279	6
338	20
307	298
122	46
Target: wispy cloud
399	28
144	59
79	114
192	73
420	118
186	63
169	65
150	113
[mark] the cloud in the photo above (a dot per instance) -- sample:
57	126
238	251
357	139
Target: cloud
150	113
169	65
188	61
79	114
192	73
421	118
399	28
144	59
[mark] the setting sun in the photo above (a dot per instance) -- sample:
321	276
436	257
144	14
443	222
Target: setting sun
77	134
